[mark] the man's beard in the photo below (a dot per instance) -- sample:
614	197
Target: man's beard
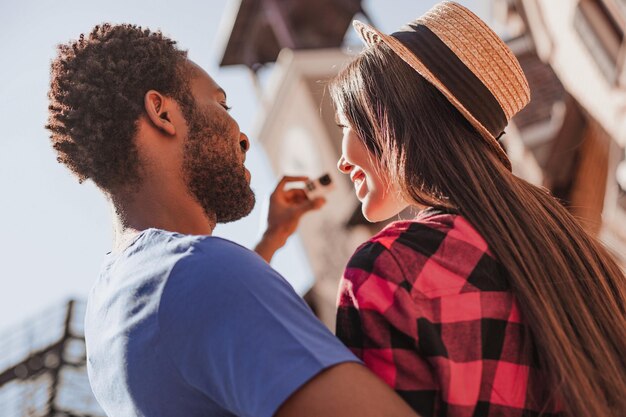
214	174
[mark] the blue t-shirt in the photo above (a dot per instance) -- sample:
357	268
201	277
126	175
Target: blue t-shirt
180	325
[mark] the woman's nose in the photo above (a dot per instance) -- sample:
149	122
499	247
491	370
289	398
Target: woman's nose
244	142
343	165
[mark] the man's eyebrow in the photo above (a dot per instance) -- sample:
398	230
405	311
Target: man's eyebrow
221	90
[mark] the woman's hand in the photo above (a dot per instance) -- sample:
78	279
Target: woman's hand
286	209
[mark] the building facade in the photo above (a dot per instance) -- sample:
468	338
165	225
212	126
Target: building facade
572	136
570	139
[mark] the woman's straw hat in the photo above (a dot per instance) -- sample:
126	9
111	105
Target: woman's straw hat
466	61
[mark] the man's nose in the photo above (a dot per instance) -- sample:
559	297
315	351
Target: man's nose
343	165
244	142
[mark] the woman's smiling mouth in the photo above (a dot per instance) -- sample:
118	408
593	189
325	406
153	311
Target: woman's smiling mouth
358	178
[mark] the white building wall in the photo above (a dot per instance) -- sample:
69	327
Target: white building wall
297	142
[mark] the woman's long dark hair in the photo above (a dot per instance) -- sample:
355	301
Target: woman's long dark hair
572	294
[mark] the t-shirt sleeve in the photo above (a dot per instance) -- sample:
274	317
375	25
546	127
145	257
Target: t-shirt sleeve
238	332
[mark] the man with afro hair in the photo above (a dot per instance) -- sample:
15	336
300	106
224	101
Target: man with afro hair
180	323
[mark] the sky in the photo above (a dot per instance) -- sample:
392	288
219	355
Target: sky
56	231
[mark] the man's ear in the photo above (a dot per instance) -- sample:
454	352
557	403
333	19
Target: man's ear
157	109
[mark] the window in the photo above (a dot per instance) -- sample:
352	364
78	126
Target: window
601	25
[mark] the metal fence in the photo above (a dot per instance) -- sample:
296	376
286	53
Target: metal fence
42	367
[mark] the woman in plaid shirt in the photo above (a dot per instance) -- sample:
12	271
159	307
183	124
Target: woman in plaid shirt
493	301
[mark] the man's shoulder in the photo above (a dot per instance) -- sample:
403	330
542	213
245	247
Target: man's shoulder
220	250
157	245
214	266
181	263
217	259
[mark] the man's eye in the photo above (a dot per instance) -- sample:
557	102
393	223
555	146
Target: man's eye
226	107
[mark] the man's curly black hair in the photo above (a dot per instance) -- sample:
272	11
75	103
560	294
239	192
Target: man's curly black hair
97	90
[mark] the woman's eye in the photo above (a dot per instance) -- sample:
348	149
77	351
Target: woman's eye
340	126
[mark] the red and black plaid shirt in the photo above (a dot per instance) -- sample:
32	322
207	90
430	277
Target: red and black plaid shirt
427	307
